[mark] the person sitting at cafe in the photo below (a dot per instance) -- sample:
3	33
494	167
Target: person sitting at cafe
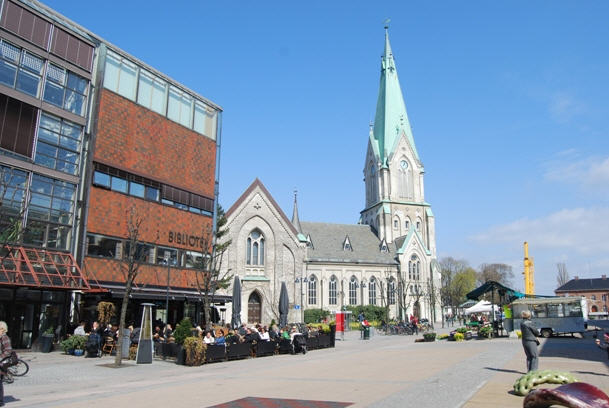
251	336
220	339
274	333
168	332
284	333
208	339
80	330
264	335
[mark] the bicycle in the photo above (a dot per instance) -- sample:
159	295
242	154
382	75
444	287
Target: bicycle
16	370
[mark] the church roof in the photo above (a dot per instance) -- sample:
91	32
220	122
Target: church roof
391	119
328	244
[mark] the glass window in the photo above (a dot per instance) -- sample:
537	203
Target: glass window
152	193
255	248
593	297
144	253
19	69
573	309
163	254
372	291
152	92
118	184
98	245
353	291
120	75
539	311
136	189
58	144
65	89
180	107
191	259
101	179
555	310
332	291
391	292
312	290
205	120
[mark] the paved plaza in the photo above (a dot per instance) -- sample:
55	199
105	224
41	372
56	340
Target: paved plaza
386	371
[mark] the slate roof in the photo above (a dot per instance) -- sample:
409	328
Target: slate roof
584	285
328	240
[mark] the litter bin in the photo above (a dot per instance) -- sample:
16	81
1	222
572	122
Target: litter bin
366	333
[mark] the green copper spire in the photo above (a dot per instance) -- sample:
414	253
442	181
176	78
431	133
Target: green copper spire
391	120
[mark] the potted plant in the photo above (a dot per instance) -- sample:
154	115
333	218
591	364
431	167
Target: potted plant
485	332
67	345
79	343
182	331
429	336
458	336
194	349
46	340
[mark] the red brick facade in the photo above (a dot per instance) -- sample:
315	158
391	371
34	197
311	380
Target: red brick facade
133	138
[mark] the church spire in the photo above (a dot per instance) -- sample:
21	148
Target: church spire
391	119
295	220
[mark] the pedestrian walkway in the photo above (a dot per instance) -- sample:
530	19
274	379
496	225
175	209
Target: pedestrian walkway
385	371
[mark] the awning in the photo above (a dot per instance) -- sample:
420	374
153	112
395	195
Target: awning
481	307
499	292
41	268
117	290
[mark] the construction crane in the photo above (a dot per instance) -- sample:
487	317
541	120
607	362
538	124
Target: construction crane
529	272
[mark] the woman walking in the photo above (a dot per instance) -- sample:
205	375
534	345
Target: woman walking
529	340
5	351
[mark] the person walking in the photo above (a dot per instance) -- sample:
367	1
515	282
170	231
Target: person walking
5	351
605	345
529	340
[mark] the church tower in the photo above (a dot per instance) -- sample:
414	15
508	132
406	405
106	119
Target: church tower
393	175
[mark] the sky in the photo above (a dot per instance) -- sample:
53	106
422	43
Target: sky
507	101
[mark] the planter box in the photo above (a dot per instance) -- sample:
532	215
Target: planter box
285	346
46	343
312	343
239	350
180	355
215	352
324	340
265	348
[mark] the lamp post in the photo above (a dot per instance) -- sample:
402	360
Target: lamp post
301	280
167	293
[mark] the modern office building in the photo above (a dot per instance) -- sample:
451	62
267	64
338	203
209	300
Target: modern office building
89	135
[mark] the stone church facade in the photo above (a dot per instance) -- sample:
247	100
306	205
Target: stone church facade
387	259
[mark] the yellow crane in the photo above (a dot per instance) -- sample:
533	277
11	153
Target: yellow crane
529	272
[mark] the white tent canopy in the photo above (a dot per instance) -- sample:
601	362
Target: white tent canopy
484	306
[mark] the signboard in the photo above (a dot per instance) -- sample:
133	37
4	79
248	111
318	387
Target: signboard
296	307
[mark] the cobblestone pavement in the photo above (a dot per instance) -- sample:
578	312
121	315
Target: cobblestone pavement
386	371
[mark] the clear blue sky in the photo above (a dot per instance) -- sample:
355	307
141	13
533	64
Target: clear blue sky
508	103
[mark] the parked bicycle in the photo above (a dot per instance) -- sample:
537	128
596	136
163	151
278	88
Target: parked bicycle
19	369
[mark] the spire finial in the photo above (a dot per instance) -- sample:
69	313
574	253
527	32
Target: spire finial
295	219
387	21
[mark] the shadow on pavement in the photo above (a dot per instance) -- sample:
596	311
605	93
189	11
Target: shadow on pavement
575	348
503	370
591	373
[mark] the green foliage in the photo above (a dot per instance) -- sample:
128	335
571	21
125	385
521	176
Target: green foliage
315	315
195	351
459	336
485	331
75	342
50	330
321	327
273	322
429	336
183	330
462	330
371	312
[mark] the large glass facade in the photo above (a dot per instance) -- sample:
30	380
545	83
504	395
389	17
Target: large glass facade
58	145
20	69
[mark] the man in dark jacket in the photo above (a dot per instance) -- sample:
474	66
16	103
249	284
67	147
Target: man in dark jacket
529	340
605	345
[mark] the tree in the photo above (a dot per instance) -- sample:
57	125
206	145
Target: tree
497	272
12	207
132	259
562	275
208	272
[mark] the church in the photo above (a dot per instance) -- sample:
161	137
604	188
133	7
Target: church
388	259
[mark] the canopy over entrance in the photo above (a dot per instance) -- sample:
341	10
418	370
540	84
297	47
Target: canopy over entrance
497	292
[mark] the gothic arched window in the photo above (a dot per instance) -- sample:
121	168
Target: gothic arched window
312	290
255	248
414	268
405	179
353	291
391	291
332	291
372	291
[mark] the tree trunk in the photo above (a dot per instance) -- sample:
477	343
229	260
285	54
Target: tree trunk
121	326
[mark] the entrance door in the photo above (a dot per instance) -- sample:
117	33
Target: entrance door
254	308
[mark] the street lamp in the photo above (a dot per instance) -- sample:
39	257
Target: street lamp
301	281
167	257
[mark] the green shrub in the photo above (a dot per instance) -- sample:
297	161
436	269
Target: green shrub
485	331
462	330
183	330
321	327
371	312
315	315
459	336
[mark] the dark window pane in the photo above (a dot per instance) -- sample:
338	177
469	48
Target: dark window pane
152	193
28	83
77	83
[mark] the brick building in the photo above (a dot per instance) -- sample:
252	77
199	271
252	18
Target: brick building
89	134
595	290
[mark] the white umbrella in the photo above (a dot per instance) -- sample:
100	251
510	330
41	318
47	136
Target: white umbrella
481	307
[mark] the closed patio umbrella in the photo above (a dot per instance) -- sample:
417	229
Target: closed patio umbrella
283	305
236	316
